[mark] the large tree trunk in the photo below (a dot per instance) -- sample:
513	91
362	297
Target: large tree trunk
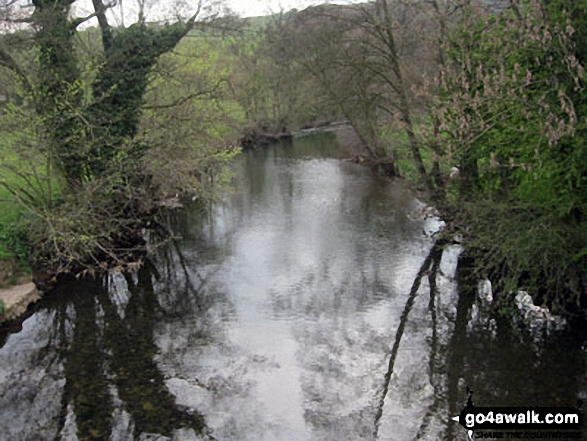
88	139
58	91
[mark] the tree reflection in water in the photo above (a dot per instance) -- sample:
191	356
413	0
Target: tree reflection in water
108	363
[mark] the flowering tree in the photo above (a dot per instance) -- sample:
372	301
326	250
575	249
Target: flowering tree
508	103
512	117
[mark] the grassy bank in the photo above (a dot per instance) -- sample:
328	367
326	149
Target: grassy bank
13	251
22	171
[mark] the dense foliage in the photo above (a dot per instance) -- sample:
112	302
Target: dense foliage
512	112
491	94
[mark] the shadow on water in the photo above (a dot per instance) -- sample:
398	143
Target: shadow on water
500	365
435	256
506	368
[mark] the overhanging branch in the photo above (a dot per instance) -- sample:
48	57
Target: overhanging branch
78	21
185	99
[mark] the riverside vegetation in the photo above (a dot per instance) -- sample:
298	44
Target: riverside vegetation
481	105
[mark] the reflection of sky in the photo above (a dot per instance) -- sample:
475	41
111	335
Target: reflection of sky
30	381
279	314
319	258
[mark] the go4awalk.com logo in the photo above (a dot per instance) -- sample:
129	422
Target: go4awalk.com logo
520	422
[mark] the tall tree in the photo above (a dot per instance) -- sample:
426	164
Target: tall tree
368	58
89	118
87	138
380	26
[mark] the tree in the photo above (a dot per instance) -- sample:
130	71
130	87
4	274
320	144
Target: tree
89	119
512	119
268	80
368	57
324	40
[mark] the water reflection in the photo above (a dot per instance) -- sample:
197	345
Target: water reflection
99	353
309	305
296	319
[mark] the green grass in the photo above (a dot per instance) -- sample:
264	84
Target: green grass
12	245
397	139
10	211
26	162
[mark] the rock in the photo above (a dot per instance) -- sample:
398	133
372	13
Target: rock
485	291
538	319
480	320
16	300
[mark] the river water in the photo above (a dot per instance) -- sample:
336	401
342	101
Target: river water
295	309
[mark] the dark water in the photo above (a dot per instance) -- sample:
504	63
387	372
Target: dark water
294	310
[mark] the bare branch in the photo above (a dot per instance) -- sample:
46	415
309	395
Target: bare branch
103	8
192	20
185	99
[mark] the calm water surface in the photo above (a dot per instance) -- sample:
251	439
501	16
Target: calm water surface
287	312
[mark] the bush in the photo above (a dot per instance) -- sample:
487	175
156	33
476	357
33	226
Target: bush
16	242
521	247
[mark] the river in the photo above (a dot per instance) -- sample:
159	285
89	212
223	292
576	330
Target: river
294	309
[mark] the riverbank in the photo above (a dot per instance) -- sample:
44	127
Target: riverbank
16	300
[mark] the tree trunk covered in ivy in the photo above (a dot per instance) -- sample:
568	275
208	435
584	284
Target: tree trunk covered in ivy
87	138
121	84
58	88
